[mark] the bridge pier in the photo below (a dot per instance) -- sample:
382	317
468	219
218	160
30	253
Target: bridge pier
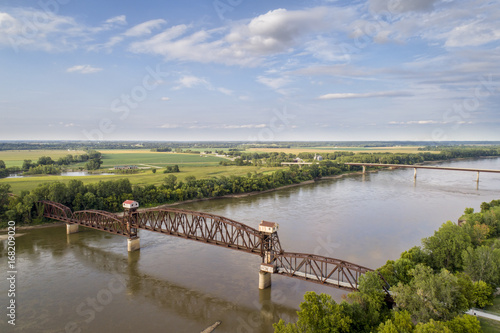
364	169
71	228
264	280
477	180
133	244
415	173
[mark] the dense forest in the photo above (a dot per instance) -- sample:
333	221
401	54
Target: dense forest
456	269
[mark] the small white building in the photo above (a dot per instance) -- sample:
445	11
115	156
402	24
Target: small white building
129	204
268	227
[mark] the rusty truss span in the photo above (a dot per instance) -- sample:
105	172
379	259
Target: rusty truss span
219	231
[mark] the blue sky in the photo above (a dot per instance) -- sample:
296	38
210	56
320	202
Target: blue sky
250	70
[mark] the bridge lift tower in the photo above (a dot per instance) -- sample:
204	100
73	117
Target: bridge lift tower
270	246
133	242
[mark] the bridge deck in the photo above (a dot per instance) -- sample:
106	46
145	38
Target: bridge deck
422	167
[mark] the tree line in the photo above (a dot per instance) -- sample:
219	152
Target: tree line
47	166
432	285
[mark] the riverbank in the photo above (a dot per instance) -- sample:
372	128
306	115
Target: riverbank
248	194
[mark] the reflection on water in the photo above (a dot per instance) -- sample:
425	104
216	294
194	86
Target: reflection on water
88	280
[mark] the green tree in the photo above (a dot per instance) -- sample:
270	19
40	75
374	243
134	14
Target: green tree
399	323
464	324
446	245
2	164
432	327
370	298
93	164
318	313
482	294
482	264
4	199
430	296
170	181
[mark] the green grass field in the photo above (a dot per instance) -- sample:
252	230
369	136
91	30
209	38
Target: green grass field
495	308
489	326
17	157
189	164
112	158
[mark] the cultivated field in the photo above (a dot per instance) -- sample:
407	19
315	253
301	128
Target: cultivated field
17	157
189	164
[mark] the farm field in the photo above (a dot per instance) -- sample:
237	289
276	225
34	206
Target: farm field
297	150
143	177
17	157
111	158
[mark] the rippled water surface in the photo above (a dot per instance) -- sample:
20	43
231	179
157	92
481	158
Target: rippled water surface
87	281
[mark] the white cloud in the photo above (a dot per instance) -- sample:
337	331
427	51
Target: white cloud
144	28
121	20
273	82
190	81
244	43
473	34
165	98
83	69
365	95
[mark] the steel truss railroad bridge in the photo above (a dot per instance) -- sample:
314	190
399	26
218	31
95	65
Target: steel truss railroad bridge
215	230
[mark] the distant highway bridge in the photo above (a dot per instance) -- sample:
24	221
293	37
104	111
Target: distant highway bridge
215	230
415	167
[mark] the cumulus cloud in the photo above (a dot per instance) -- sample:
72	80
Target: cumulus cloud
83	69
165	98
277	31
365	95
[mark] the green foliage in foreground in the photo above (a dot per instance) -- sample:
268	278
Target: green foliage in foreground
455	269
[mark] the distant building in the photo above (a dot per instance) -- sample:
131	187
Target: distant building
268	227
129	204
126	167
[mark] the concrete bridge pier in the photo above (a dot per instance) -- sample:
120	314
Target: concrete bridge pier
364	169
477	180
264	280
71	228
415	173
133	244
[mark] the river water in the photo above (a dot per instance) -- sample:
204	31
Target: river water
87	282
